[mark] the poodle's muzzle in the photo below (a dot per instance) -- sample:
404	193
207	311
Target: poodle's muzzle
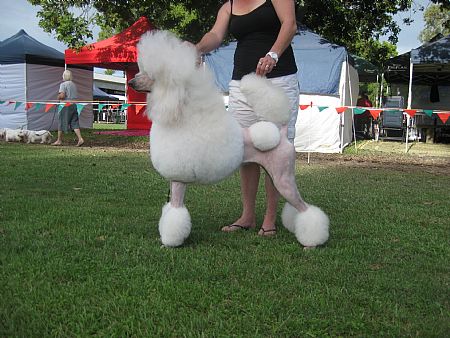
141	83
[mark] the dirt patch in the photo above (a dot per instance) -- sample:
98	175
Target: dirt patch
405	163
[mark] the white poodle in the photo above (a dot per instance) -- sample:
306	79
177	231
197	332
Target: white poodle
195	140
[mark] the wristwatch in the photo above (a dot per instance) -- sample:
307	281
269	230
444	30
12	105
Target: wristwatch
274	56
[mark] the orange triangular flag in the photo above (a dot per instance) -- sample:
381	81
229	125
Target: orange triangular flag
114	106
340	110
375	112
444	117
28	105
410	112
139	108
304	106
68	104
48	106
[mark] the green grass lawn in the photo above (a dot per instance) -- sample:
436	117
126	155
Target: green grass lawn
80	254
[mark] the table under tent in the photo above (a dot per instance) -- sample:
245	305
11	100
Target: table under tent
327	81
30	75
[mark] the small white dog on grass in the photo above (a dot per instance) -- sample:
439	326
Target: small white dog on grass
38	136
14	135
195	140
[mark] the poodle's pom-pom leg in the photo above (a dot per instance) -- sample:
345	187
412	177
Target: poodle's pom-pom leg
174	225
310	227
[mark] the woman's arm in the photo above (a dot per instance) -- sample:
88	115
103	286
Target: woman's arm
215	36
285	10
286	14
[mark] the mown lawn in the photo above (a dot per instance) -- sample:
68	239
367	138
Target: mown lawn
80	254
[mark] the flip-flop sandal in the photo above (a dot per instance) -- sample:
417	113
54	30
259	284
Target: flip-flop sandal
235	227
267	233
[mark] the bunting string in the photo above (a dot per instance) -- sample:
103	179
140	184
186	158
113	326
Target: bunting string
140	107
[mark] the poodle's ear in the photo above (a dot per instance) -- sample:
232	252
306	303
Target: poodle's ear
166	104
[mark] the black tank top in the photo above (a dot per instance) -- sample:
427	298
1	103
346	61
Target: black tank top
256	33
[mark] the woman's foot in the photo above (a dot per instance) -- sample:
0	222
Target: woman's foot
57	143
80	143
236	227
267	232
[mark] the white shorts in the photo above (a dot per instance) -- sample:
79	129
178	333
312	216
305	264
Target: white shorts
244	114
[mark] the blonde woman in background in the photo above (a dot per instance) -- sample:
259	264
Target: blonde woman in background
68	116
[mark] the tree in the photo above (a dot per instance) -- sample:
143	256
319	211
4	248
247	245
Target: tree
436	20
343	22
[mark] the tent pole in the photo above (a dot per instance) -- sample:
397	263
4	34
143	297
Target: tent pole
380	103
411	66
341	120
377	97
351	104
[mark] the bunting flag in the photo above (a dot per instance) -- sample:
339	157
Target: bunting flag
359	111
322	108
17	105
100	106
375	112
410	112
49	106
37	106
139	108
28	105
114	106
124	106
1	102
340	110
10	102
60	107
428	112
80	107
444	117
67	104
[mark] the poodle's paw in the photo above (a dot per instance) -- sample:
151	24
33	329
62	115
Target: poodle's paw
174	225
311	227
264	135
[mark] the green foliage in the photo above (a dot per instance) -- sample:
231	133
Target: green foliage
437	20
349	23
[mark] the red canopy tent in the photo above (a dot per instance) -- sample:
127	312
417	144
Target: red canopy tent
118	52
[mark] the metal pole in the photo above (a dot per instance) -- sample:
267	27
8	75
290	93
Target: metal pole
411	66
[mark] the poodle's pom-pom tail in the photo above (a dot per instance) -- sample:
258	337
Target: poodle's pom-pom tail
174	225
268	101
264	135
311	227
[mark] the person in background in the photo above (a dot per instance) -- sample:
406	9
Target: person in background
363	122
264	30
364	101
68	116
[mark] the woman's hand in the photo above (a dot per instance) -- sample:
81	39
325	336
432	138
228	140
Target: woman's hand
265	65
199	59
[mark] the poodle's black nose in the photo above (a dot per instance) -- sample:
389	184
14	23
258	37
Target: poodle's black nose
132	83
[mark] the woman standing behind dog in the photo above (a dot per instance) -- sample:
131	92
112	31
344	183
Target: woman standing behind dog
68	115
264	30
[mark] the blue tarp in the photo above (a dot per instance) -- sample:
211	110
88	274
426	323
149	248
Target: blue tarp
22	48
319	63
